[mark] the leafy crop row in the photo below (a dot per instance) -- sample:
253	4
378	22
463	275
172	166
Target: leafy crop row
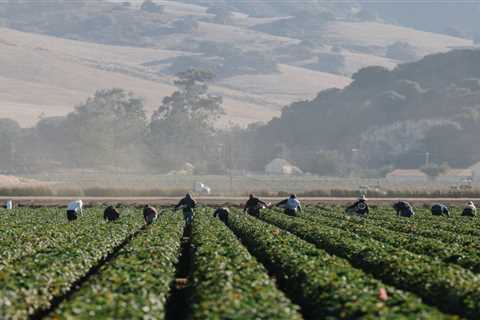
455	224
451	288
468	257
25	231
136	283
325	286
30	284
410	226
228	283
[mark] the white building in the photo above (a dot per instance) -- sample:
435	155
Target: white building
455	176
475	169
281	167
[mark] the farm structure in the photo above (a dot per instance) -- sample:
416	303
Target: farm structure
320	264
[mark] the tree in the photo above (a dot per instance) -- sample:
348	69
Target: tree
150	6
222	14
186	25
433	170
108	129
184	123
9	131
402	51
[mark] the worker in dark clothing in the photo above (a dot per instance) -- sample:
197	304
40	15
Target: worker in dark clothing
291	205
470	210
254	205
187	204
222	214
150	214
360	207
403	209
440	209
111	214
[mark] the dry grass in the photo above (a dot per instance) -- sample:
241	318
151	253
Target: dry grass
382	35
42	74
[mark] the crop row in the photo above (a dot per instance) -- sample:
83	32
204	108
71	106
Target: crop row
29	285
228	283
135	285
456	224
467	257
451	288
325	286
409	226
24	231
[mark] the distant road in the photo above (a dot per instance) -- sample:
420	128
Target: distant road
212	201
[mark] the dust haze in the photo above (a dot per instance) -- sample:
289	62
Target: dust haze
228	97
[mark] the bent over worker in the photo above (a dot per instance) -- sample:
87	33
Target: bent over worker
222	214
150	214
290	205
440	209
360	207
403	209
187	204
111	214
254	205
74	208
470	210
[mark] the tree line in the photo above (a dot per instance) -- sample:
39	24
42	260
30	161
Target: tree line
112	130
384	119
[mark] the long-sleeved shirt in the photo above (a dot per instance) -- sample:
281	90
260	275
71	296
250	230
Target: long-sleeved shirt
149	214
76	206
440	209
359	207
291	204
111	214
187	203
222	213
403	209
253	203
469	210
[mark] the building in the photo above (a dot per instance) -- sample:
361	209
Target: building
475	169
456	176
281	167
406	175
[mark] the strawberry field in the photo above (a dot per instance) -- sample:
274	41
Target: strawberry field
319	265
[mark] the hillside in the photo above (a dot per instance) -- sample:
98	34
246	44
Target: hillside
50	75
387	117
63	51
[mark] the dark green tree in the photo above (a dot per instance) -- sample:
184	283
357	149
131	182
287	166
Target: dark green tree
108	129
183	126
9	133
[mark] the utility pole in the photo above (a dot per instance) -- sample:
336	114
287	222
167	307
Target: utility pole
427	158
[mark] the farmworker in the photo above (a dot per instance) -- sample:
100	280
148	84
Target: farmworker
360	207
8	205
111	214
222	214
290	205
150	214
254	205
470	210
403	209
187	204
74	209
440	209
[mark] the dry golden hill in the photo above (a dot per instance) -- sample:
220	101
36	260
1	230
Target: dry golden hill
48	75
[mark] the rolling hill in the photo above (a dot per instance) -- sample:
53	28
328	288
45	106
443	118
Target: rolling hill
54	59
48	75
